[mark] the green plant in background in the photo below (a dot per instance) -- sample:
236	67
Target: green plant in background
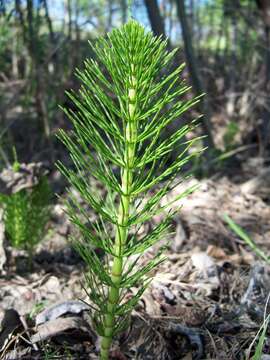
261	336
37	308
232	130
262	333
121	138
246	238
16	164
26	214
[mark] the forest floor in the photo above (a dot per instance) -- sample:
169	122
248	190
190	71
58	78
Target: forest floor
207	301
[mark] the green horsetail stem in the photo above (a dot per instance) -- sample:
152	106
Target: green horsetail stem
123	217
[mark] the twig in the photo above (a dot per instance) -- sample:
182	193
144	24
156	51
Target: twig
35	347
192	334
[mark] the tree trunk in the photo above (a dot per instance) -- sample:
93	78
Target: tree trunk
76	58
37	71
124	11
110	15
264	8
69	19
194	72
156	20
14	59
19	12
53	53
232	14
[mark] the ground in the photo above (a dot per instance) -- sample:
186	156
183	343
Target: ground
208	300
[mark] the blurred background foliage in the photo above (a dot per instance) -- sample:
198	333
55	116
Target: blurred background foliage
225	44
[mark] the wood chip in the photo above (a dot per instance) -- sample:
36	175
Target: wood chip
59	326
62	308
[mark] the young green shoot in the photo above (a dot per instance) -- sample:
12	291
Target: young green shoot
120	137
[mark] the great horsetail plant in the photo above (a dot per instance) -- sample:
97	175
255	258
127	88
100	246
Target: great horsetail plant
26	214
120	137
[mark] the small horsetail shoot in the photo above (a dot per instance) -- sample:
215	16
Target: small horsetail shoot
120	137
